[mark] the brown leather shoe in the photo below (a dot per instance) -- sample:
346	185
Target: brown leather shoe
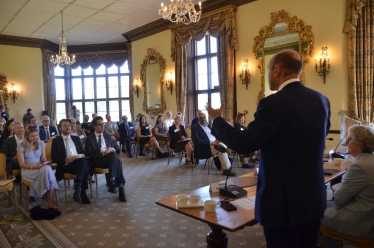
228	173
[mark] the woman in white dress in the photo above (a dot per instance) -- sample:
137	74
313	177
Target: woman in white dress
35	168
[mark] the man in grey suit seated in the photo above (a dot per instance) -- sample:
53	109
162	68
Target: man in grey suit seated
99	148
353	210
10	149
77	132
112	130
46	131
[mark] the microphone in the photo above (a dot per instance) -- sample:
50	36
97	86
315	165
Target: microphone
232	191
339	154
329	138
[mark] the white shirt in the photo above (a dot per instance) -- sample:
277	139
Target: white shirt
73	149
285	83
208	133
169	122
103	144
18	140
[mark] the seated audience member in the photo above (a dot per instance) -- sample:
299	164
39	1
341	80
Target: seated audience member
179	141
161	130
8	131
27	116
10	149
34	167
136	121
145	135
247	159
68	154
127	134
206	145
3	114
77	132
33	122
354	197
86	125
152	120
99	149
93	116
169	119
75	113
46	131
112	130
196	119
180	116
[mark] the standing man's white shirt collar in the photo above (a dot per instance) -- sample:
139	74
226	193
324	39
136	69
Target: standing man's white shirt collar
289	81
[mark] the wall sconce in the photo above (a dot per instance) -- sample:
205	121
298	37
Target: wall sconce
136	85
324	64
169	82
13	93
244	73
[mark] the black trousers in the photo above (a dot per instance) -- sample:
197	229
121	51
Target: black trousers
303	236
113	163
12	165
80	168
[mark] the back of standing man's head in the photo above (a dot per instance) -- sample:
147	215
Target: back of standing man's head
290	61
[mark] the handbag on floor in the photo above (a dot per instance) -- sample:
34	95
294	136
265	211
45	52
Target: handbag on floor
39	213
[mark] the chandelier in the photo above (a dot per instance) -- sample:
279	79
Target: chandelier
63	58
180	12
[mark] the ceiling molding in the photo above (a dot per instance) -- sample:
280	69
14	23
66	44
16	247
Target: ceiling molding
28	42
162	25
95	48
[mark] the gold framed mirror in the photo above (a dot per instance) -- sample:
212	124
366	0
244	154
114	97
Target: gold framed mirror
152	72
283	32
4	92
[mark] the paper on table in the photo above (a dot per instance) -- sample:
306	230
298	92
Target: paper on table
246	203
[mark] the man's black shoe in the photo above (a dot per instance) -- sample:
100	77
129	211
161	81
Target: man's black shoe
85	199
121	195
220	148
141	154
123	150
130	156
33	198
77	193
197	162
112	187
228	173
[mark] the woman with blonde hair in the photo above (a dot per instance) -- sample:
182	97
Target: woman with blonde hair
35	168
179	140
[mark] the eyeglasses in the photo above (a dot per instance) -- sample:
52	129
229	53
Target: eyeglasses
45	121
73	123
100	125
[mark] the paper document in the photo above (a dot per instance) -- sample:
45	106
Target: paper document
246	203
3	183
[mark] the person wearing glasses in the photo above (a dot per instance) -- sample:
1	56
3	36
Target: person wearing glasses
77	132
99	148
46	131
353	208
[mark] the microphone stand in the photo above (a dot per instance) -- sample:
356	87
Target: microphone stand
232	191
339	154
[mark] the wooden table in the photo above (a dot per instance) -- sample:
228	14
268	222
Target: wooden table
234	220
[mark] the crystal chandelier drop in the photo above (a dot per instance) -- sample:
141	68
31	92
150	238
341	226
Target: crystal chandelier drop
181	12
63	58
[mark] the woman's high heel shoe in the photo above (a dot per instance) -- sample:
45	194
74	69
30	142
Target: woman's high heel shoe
161	151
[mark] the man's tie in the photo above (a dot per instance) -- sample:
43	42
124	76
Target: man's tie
99	142
127	129
47	133
68	151
74	114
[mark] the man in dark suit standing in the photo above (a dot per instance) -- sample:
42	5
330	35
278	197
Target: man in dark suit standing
46	131
68	153
10	149
289	128
127	134
100	149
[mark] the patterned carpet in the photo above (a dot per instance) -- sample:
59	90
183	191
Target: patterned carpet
137	223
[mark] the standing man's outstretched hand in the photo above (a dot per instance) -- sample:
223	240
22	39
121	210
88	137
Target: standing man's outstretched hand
213	113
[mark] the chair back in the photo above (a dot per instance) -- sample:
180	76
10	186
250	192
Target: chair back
48	150
2	165
188	132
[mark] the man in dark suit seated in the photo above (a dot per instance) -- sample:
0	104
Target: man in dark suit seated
10	149
100	149
68	153
289	128
206	145
127	134
46	131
